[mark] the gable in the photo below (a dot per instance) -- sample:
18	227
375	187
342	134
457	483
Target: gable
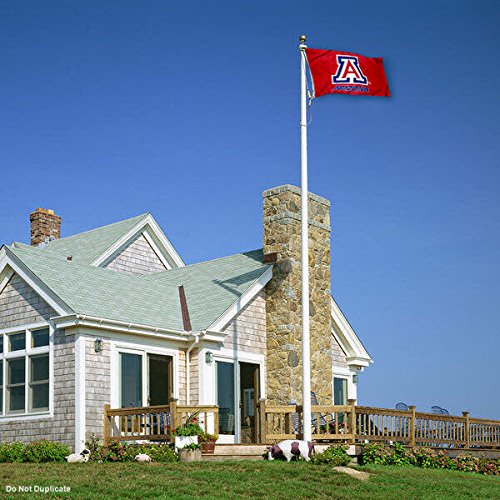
338	355
21	305
346	340
138	257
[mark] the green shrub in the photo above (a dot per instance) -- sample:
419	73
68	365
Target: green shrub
123	452
427	458
34	452
333	455
12	452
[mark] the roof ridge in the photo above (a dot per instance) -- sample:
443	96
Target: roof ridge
190	266
138	217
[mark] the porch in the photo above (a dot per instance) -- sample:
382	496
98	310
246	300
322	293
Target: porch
343	424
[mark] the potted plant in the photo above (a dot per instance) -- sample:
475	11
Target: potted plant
190	453
207	442
187	434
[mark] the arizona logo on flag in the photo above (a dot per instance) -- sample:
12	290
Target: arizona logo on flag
335	72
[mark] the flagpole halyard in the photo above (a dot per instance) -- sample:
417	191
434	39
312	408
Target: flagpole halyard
306	346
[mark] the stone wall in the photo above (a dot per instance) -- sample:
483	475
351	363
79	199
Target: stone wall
137	258
97	384
283	295
19	306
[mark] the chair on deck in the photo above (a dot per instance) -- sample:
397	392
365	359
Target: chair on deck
401	422
437	410
314	418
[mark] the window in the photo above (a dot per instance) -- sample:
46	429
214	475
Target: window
339	391
39	383
24	371
40	338
15	385
17	342
131	379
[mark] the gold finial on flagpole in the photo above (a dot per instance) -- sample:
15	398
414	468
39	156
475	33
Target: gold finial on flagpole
302	39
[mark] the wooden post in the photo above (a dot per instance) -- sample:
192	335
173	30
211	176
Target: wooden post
413	410
107	426
466	429
263	421
216	422
173	414
352	420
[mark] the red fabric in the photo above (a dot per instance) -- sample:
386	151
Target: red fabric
335	72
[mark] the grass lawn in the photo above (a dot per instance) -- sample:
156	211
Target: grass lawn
246	479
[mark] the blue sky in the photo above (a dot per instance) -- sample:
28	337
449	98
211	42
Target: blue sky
190	111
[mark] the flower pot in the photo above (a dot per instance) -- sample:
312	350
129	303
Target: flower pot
208	447
182	441
189	455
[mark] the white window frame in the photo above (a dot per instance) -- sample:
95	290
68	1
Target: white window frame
341	377
26	353
345	373
143	351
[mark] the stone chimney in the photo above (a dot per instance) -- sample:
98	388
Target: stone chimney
45	226
283	295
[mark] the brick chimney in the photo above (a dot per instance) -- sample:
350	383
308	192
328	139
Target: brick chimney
45	226
283	295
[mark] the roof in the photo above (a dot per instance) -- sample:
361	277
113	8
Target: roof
87	246
211	287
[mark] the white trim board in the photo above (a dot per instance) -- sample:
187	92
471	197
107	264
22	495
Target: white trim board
80	392
35	283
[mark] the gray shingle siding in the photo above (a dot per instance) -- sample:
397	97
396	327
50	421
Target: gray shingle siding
97	385
137	258
19	306
338	355
247	331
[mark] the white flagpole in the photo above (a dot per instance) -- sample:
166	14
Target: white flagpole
306	346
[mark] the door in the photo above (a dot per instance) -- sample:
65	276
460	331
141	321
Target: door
249	397
226	401
160	379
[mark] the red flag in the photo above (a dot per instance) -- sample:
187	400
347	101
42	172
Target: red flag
335	72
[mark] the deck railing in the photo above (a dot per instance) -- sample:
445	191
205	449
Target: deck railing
155	423
348	424
362	424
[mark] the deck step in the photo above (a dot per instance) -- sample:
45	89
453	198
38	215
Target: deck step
236	452
239	449
220	458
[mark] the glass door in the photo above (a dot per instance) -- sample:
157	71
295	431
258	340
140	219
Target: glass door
226	401
249	397
130	380
160	379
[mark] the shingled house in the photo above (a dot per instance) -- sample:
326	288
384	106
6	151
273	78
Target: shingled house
114	316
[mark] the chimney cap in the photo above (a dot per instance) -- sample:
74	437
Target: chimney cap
48	211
